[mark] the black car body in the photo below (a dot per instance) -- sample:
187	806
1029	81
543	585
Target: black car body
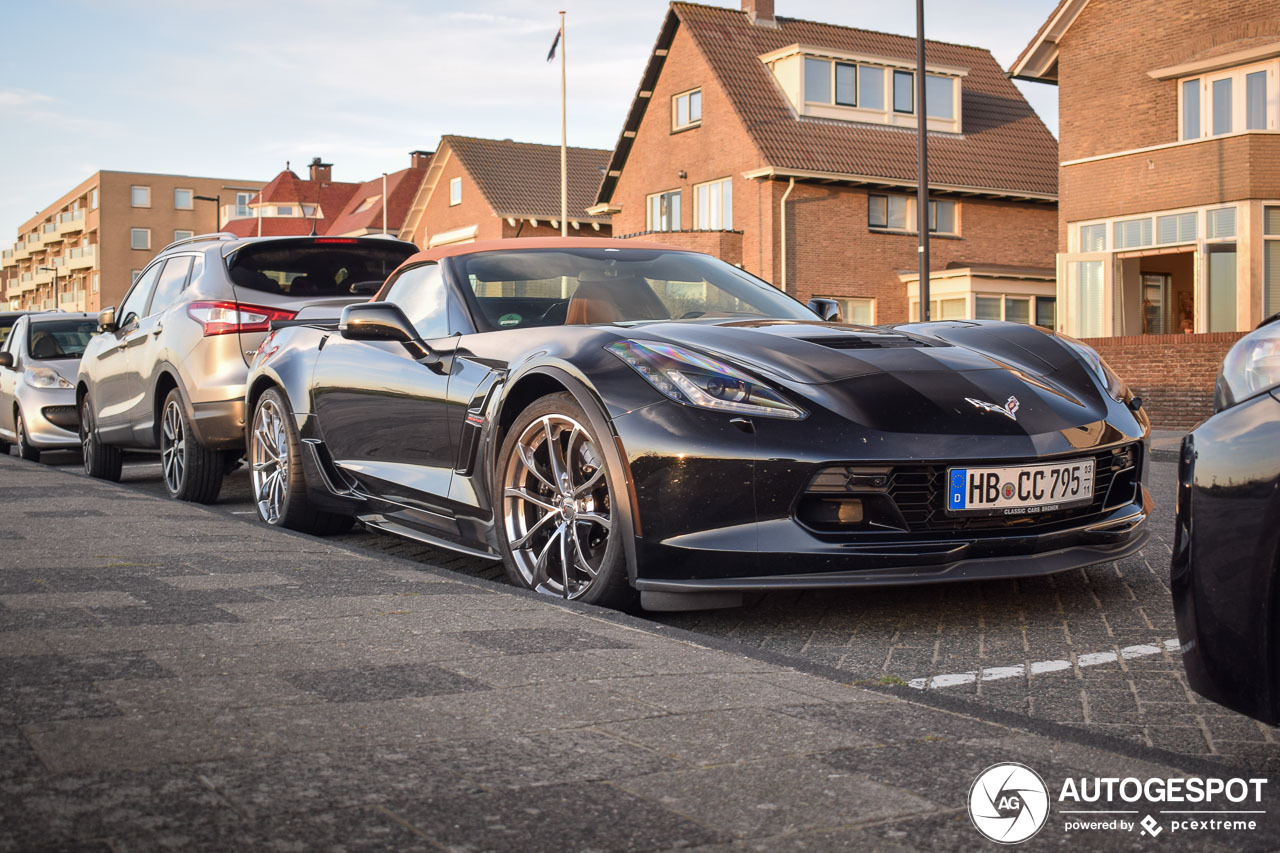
1226	553
837	477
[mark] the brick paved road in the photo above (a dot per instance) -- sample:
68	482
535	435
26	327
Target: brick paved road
1084	648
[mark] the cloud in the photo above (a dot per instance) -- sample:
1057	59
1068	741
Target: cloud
10	98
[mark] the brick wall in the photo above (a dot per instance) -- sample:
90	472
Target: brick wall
1109	103
1173	374
725	245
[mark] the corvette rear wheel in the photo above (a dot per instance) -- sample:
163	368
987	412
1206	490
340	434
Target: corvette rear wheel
275	468
559	521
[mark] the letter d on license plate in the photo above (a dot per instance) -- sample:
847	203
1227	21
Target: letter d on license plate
1021	489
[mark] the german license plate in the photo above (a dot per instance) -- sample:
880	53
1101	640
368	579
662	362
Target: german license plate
1021	489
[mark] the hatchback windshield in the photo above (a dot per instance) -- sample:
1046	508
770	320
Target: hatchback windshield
49	339
554	287
315	267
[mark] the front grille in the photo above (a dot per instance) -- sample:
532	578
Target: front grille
66	417
919	491
912	497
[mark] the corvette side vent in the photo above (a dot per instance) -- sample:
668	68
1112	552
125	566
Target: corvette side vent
867	342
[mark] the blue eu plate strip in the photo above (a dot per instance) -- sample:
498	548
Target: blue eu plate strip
955	495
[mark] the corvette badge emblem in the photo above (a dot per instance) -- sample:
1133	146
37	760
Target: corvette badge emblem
1009	409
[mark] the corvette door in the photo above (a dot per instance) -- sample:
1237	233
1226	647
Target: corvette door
382	413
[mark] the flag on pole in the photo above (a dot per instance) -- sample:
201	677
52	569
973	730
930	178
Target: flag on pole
551	54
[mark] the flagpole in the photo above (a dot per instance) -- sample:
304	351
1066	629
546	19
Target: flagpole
564	183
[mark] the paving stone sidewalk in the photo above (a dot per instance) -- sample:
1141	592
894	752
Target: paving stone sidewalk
171	677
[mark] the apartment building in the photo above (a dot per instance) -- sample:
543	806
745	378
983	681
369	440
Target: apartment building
789	147
82	251
492	189
1169	176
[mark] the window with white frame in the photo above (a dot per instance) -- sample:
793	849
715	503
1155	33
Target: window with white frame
713	205
1093	238
139	196
1220	222
859	310
183	199
664	211
93	199
95	282
139	238
898	213
242	205
944	308
284	210
455	191
133	275
1235	100
181	234
1270	261
686	109
368	203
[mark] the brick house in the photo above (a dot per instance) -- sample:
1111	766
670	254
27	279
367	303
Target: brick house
492	189
744	121
1169	218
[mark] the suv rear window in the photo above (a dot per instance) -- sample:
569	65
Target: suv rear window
314	267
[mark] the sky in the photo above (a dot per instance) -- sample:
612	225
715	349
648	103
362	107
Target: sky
235	89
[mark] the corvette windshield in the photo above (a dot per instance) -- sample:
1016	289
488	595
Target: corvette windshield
557	287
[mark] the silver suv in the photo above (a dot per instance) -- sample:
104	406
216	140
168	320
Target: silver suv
167	371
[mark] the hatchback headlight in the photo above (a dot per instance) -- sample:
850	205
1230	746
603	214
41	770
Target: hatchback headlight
44	377
699	380
1252	365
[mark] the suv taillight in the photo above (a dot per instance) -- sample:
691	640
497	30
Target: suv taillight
223	318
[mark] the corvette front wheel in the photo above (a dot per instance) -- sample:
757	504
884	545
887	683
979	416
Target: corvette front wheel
561	533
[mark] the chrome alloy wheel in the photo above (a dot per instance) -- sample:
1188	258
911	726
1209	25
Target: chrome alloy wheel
173	446
86	435
557	510
269	461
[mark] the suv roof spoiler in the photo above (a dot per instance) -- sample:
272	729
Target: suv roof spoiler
200	238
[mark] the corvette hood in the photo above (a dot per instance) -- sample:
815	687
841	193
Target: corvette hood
897	380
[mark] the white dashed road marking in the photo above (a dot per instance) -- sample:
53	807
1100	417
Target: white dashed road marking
995	673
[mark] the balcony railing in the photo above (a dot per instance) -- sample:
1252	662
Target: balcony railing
72	220
82	257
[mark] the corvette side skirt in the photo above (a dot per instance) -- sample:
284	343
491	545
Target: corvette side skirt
395	529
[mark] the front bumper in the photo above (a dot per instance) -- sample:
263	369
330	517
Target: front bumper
718	506
50	417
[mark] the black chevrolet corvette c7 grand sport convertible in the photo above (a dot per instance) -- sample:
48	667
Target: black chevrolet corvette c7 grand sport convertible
607	417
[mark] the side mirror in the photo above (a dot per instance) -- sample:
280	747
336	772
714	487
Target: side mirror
827	309
107	319
384	321
6	359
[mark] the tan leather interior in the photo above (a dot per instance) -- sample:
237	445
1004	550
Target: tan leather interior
614	301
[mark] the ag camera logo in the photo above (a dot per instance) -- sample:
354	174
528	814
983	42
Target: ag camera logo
1008	803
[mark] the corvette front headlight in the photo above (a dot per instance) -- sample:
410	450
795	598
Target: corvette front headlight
44	377
1252	365
1114	384
699	380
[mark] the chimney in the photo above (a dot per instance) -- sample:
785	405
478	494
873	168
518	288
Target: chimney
759	12
322	172
420	159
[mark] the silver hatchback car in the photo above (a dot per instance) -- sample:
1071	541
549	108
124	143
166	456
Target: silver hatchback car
38	363
168	370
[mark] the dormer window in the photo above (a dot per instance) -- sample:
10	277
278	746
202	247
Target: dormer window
831	84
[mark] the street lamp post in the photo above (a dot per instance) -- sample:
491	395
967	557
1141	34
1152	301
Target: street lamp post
53	270
217	201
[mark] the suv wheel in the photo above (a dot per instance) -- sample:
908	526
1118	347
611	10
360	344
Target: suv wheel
192	472
100	460
25	449
275	466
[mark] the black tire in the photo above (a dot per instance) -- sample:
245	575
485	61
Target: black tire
101	461
275	470
25	449
192	472
595	545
